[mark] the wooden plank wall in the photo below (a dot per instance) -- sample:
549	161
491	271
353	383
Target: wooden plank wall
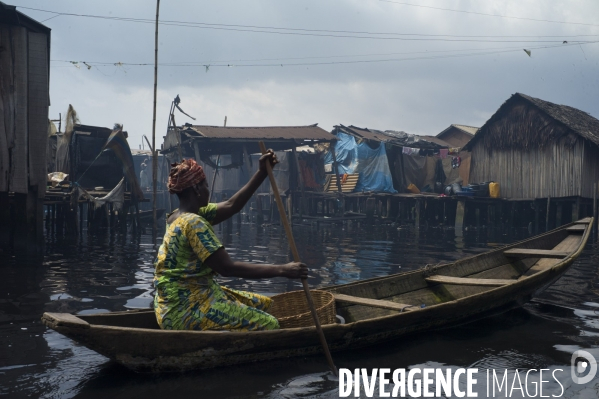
24	102
6	105
38	102
555	170
465	168
19	161
590	168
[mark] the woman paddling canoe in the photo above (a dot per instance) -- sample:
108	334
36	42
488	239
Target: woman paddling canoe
187	297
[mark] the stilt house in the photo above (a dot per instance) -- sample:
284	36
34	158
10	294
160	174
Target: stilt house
230	154
382	165
24	101
537	149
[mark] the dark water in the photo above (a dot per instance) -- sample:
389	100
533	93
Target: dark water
110	273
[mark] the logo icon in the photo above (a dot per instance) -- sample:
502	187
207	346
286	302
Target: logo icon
582	362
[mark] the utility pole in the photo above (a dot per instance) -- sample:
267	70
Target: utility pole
154	149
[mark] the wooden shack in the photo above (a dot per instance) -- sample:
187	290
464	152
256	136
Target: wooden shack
226	152
459	136
24	100
206	141
406	169
95	160
536	149
146	185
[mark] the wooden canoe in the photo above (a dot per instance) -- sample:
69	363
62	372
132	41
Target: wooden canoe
375	310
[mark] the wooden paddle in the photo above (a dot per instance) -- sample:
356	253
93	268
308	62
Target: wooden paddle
273	184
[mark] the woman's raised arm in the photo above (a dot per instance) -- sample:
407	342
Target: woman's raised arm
235	204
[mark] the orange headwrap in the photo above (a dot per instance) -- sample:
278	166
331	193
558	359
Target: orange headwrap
185	174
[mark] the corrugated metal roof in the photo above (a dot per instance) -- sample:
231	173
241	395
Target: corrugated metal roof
394	137
147	153
367	133
471	130
312	132
468	129
436	140
96	131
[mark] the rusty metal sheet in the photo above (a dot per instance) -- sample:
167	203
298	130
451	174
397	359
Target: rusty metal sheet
393	137
261	133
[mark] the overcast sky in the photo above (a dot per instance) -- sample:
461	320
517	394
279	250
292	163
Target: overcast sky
416	66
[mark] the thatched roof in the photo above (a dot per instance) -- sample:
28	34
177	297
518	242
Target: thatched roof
522	128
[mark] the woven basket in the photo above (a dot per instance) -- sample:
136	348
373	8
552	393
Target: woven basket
292	310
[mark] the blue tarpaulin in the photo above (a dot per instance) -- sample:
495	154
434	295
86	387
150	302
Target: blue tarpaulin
371	164
373	168
346	152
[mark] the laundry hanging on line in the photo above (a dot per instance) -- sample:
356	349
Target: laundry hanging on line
423	152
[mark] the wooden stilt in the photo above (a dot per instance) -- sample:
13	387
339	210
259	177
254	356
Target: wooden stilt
301	183
271	208
459	217
595	203
107	212
500	219
370	205
513	214
576	210
558	215
112	217
35	214
444	222
536	204
229	225
80	213
259	215
20	227
59	218
123	218
399	209
5	220
547	214
417	214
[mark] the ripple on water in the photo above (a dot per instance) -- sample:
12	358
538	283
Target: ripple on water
115	274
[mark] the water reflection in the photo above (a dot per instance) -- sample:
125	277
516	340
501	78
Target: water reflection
114	272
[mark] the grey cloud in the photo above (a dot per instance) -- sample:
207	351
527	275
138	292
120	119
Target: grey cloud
420	96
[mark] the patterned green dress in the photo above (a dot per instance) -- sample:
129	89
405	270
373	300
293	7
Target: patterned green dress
187	297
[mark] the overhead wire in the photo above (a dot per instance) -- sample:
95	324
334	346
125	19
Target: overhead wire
337	34
305	58
328	32
487	14
205	64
